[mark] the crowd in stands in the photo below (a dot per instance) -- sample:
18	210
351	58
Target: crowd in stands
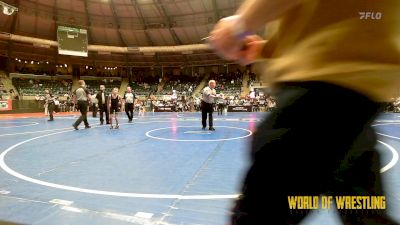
93	85
258	100
3	90
27	86
144	88
101	73
393	105
6	95
184	85
228	83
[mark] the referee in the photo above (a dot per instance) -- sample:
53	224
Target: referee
209	94
128	101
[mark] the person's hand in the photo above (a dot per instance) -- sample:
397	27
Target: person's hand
227	37
252	50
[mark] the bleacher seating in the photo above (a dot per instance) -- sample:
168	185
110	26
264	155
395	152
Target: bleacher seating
144	88
27	86
181	84
94	85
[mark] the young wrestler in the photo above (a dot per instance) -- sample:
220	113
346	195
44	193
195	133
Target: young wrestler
114	105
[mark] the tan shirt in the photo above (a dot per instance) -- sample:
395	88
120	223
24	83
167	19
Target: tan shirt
81	94
324	40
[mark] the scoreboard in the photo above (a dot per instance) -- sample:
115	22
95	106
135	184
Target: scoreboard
72	41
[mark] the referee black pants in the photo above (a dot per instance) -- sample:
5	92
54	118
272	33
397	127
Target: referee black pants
308	146
129	110
207	108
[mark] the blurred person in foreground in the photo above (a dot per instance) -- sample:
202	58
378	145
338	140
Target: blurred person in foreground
320	54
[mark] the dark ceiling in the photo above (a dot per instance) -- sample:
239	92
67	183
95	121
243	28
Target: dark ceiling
119	23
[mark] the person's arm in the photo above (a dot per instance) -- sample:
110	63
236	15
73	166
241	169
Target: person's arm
209	92
123	100
88	96
229	37
214	94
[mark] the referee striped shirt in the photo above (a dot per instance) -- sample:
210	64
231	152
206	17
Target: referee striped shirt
207	95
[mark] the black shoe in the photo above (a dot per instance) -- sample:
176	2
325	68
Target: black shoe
204	128
75	127
87	127
211	128
107	123
50	120
101	123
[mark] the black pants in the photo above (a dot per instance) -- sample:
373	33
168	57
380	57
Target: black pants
129	110
83	108
207	108
94	110
50	110
104	110
220	108
324	149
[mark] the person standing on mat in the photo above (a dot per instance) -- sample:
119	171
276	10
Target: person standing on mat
207	105
81	100
220	104
95	105
114	104
128	101
321	54
102	102
49	98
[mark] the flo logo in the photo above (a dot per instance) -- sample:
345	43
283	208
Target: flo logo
370	15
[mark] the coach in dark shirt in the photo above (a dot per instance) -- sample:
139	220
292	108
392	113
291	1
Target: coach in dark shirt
101	97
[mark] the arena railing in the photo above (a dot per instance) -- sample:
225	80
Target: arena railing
104	48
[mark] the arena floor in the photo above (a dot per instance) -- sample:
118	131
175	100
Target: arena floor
161	169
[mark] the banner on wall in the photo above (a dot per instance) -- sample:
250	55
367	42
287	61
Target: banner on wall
5	105
239	108
164	109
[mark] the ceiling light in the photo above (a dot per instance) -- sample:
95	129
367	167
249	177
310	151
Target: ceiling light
8	9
